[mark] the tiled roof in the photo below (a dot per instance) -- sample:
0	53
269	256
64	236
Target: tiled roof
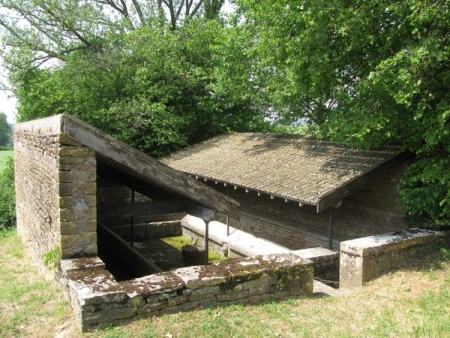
293	167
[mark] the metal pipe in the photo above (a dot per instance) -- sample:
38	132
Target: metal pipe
330	229
228	225
207	242
227	220
132	222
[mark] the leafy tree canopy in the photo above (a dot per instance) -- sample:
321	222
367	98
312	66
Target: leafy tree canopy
155	87
365	73
162	74
5	131
40	30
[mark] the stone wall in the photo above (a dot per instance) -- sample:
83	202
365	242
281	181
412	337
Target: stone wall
36	149
326	264
365	259
55	191
368	212
98	298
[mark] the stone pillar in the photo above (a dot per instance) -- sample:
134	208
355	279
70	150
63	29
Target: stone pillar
77	186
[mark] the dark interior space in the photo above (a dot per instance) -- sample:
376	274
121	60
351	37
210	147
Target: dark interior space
119	253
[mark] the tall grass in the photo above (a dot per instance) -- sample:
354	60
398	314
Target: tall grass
4	155
7	193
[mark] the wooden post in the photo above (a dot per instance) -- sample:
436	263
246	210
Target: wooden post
132	222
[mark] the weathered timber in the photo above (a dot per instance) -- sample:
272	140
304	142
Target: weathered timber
139	209
147	169
154	208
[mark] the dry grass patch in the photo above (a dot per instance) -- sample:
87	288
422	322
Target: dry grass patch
413	302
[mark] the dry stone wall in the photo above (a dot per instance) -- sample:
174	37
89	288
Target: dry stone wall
365	259
55	191
98	298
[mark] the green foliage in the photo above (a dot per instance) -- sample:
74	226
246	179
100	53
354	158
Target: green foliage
5	131
365	73
425	192
156	89
445	254
4	158
52	259
7	196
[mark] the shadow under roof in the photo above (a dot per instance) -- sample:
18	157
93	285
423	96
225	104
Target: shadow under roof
130	162
294	167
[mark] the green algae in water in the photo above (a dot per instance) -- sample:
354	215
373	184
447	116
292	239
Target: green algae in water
178	242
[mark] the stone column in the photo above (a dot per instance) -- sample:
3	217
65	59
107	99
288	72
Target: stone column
77	182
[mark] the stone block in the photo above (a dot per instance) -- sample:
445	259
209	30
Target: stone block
256	283
78	240
152	307
79	264
71	189
233	296
81	152
195	277
202	293
177	301
257	299
107	314
189	306
155	285
208	302
67	141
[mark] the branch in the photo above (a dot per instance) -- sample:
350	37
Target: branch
122	10
188	6
67	27
173	18
181	7
139	11
200	3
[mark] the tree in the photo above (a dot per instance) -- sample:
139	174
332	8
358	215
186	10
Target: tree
7	196
5	131
154	88
38	31
364	73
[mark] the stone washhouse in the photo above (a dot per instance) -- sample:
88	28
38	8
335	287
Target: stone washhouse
298	191
70	179
290	211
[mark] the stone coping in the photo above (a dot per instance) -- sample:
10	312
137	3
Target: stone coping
97	297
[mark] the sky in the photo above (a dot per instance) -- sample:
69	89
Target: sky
8	103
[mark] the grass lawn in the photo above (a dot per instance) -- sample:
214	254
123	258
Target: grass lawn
3	156
413	302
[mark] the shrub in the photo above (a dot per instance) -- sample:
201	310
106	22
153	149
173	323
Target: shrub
7	196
